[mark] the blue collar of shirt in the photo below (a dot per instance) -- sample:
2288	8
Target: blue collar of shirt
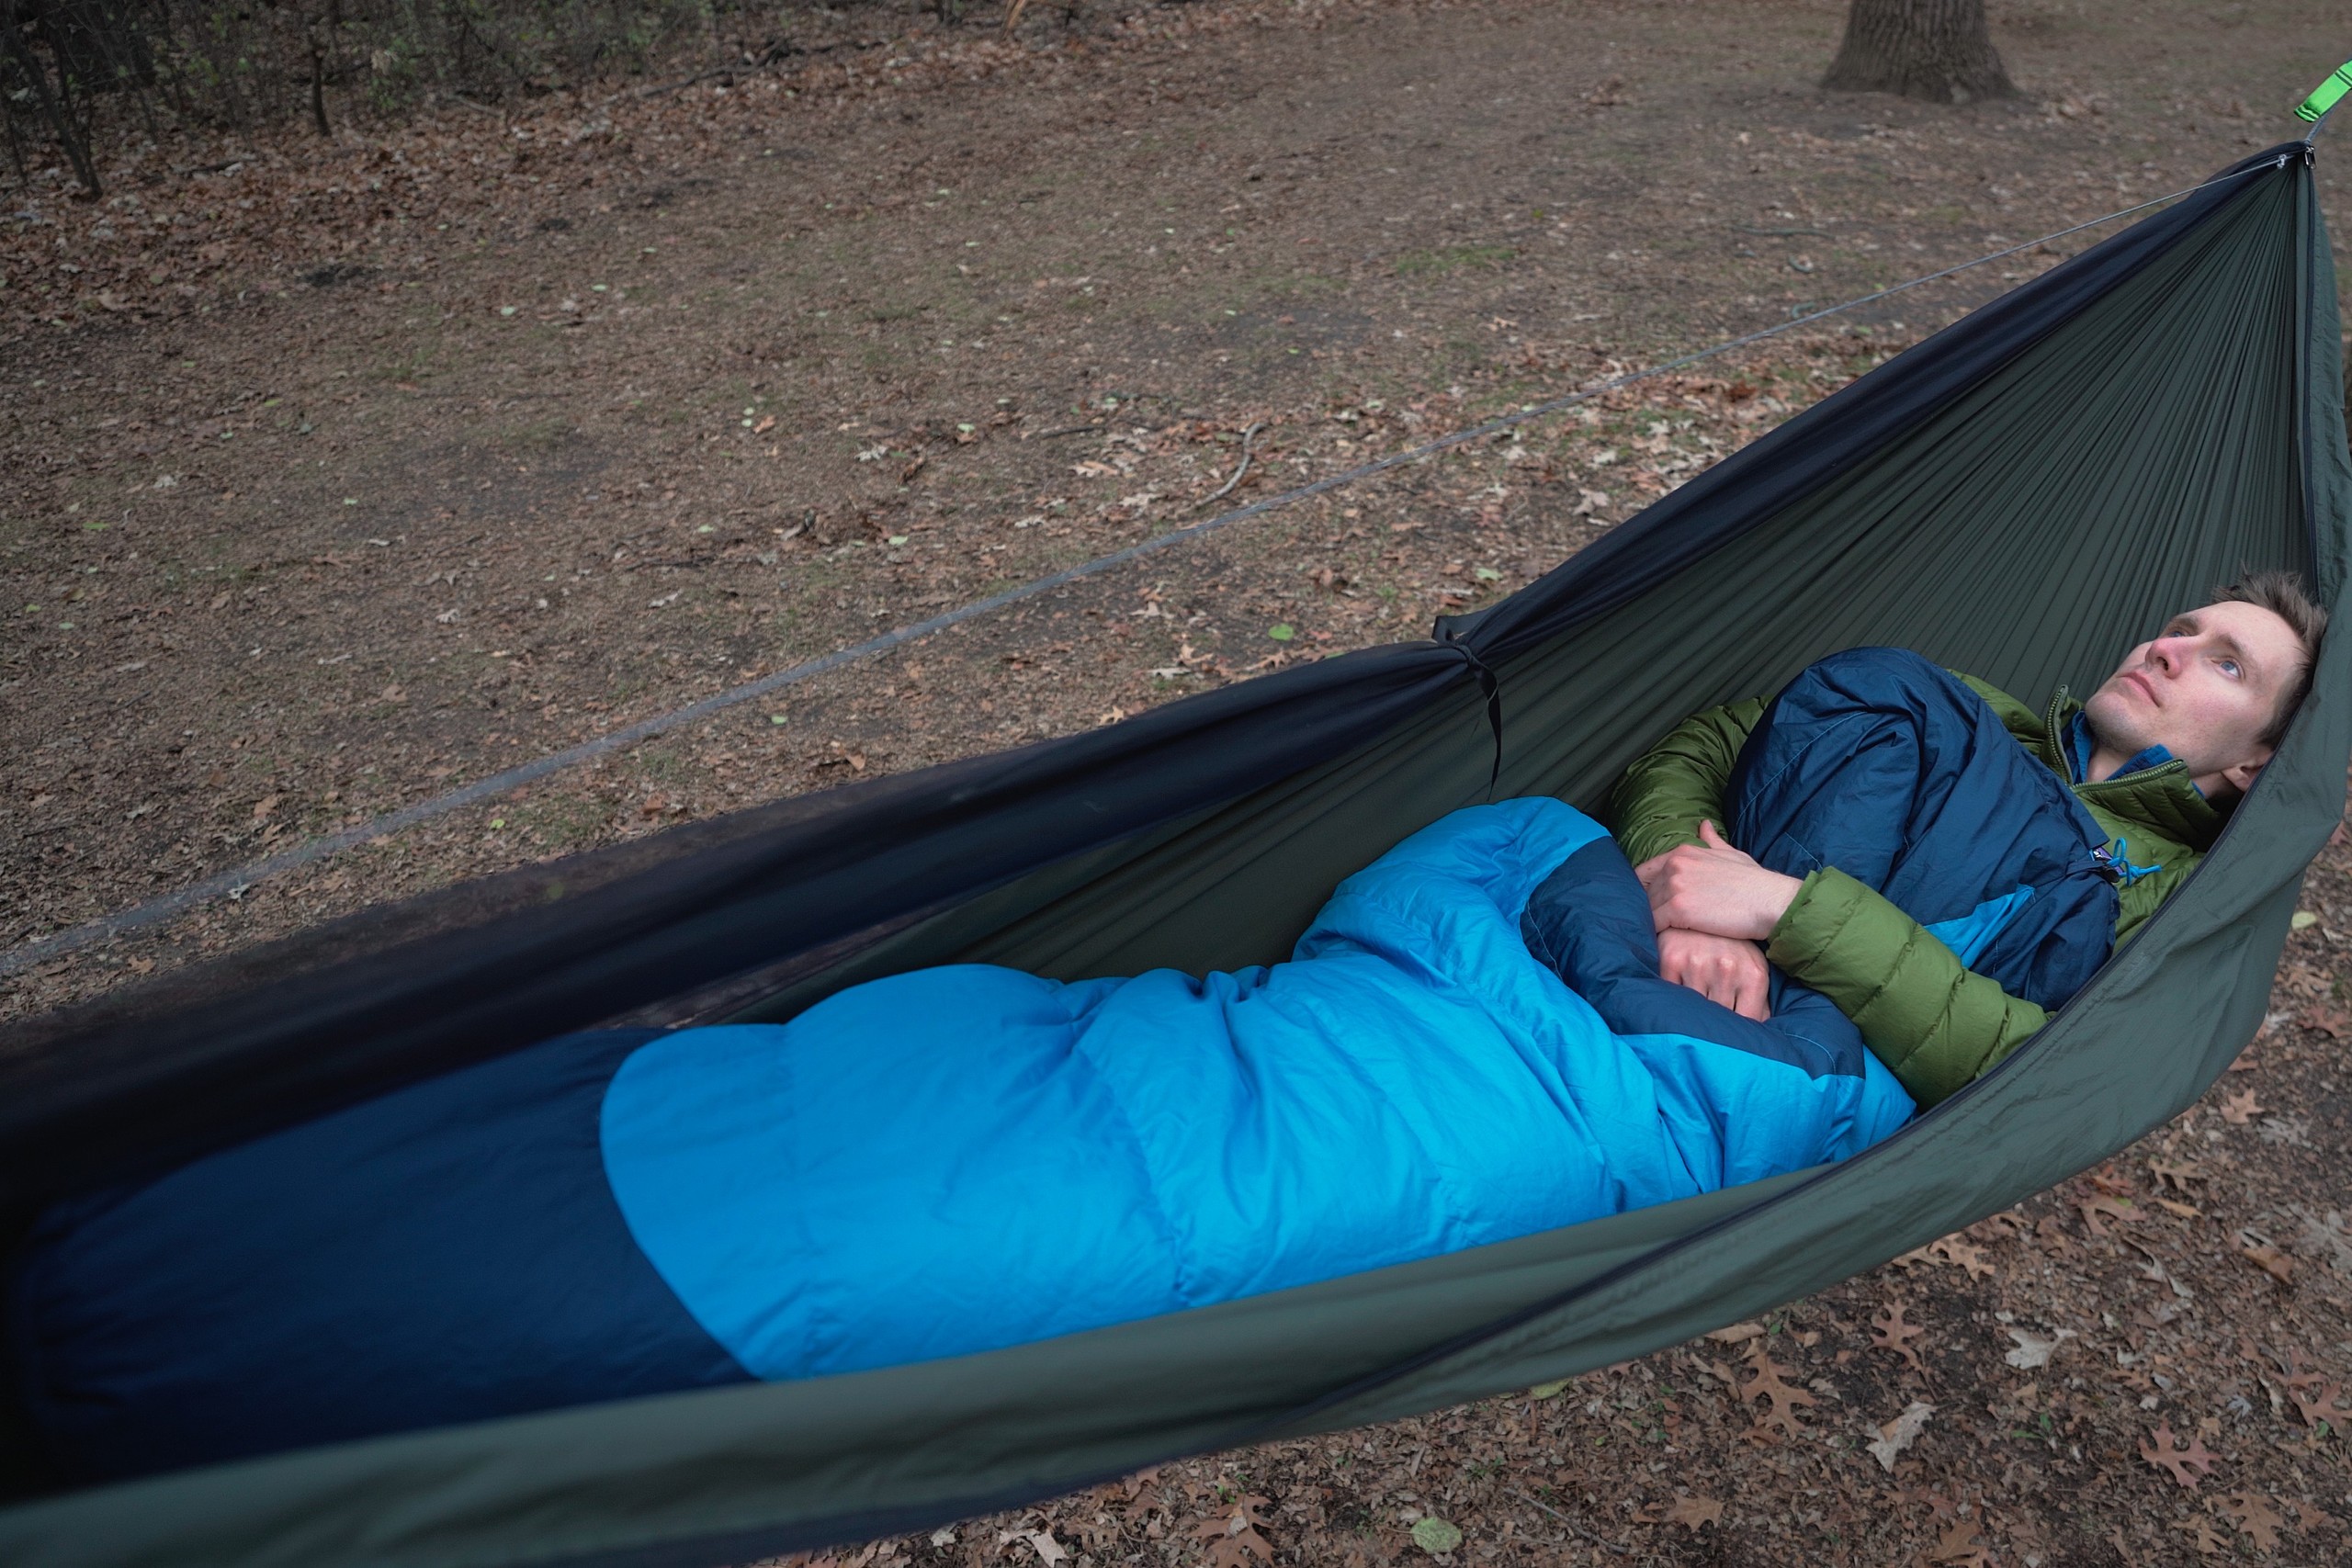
2078	753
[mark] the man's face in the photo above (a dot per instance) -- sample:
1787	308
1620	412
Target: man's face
2204	689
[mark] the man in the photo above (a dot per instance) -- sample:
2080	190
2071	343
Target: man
2156	758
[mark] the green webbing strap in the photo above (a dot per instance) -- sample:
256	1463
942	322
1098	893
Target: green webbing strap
2339	82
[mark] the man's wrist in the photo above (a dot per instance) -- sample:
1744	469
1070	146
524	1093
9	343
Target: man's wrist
1787	932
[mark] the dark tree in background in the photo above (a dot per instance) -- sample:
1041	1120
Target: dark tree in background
1936	49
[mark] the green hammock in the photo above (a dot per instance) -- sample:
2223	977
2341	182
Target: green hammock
2019	497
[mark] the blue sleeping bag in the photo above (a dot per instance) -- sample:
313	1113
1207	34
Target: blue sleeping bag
945	1161
1002	1158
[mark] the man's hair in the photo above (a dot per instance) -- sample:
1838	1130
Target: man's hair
2281	594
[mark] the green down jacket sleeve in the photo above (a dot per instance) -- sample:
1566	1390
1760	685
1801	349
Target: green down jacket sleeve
1680	783
1934	1023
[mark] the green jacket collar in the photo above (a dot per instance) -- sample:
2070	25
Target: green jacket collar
2163	800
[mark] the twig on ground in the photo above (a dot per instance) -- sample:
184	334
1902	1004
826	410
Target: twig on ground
1065	430
1780	233
1601	1541
1247	436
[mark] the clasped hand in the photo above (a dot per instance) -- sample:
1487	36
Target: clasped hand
1713	905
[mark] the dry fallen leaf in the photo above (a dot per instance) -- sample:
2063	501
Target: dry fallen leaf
1900	1433
2297	1372
1692	1513
1234	1537
2270	1260
2253	1513
2033	1349
1889	1332
1962	1255
2092	1208
1954	1249
1766	1385
2201	1529
1737	1334
2240	1109
1959	1545
2324	1403
2167	1455
2053	1235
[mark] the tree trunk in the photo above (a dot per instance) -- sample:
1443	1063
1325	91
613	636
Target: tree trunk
56	106
1936	49
319	91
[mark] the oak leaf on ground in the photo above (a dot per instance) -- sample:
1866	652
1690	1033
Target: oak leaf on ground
2034	1349
1961	1254
1049	1550
2254	1516
2324	1402
2168	1454
2053	1235
1954	1249
1960	1545
1692	1513
1889	1332
2296	1371
1234	1537
2117	1208
2270	1260
1766	1385
1900	1433
2199	1528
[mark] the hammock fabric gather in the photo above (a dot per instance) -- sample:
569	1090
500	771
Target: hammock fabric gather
2018	497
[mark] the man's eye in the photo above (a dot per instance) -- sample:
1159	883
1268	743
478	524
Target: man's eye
2230	667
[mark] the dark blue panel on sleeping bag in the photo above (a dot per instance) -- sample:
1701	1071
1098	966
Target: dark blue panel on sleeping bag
449	1252
1591	922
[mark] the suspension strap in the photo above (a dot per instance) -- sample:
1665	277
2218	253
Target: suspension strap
2327	95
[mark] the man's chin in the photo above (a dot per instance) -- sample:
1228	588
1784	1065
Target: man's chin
2109	715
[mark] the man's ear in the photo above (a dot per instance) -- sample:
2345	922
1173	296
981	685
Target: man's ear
2242	776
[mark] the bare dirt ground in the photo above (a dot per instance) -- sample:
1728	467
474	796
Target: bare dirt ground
338	474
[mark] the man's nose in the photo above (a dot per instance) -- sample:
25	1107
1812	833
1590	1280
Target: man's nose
2167	652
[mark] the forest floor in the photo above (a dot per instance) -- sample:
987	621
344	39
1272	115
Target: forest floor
339	473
